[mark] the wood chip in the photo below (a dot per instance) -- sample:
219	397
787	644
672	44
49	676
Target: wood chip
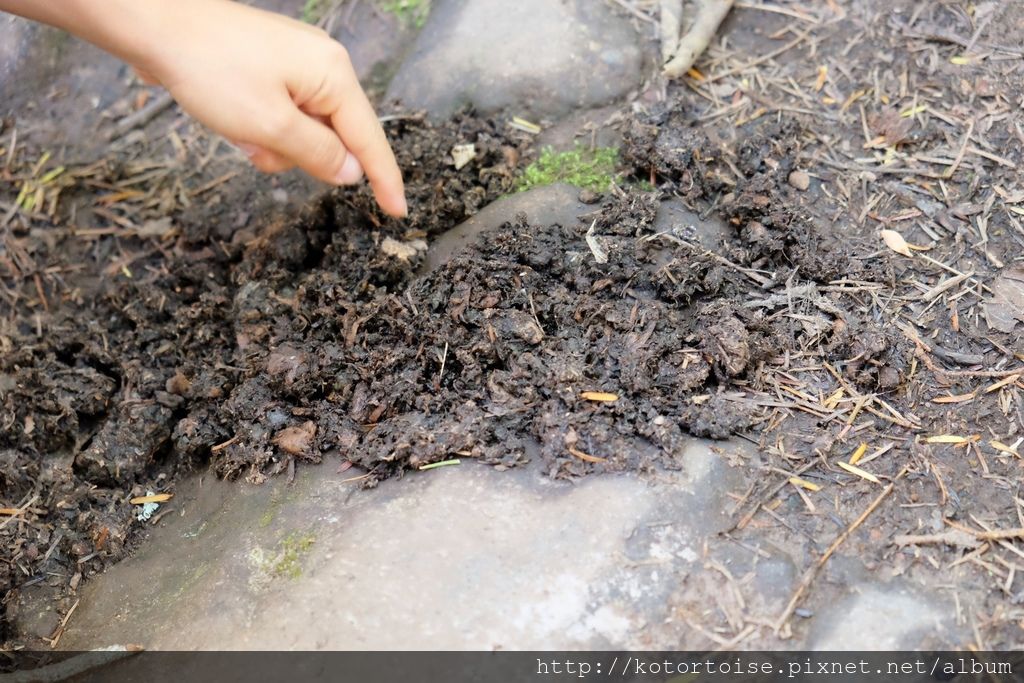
601	396
1001	383
155	498
946	438
959	398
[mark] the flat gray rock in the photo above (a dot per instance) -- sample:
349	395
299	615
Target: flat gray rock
457	557
536	57
881	617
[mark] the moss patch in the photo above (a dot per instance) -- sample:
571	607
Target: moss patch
287	562
314	10
409	12
588	169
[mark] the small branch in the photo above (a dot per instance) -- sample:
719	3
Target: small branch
954	537
811	573
141	117
709	16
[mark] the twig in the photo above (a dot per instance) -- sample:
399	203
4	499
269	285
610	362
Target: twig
670	27
760	60
142	116
811	573
20	510
695	41
953	537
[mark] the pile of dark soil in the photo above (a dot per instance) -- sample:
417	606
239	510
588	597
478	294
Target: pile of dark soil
318	338
252	349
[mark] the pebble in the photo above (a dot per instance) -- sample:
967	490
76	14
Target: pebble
800	180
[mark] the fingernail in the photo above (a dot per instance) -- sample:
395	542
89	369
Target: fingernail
404	207
250	150
351	171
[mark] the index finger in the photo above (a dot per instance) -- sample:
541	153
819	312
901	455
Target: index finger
357	125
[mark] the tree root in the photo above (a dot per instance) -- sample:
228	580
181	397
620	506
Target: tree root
680	55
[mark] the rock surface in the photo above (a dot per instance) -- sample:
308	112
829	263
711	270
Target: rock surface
535	57
457	557
884	618
549	205
468	557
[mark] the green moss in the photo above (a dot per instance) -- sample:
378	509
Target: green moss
314	10
588	169
409	12
292	548
270	514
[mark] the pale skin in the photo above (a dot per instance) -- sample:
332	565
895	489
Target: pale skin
283	91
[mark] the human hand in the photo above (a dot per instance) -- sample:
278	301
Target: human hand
278	88
283	91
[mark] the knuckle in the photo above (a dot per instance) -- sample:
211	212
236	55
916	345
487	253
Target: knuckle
337	54
330	157
275	123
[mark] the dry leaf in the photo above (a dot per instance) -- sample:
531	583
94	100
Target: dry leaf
1005	308
946	438
585	456
959	398
890	126
895	241
296	440
804	484
859	472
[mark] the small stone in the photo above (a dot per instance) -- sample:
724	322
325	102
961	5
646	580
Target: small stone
403	251
800	180
589	197
179	384
463	154
803	613
888	377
